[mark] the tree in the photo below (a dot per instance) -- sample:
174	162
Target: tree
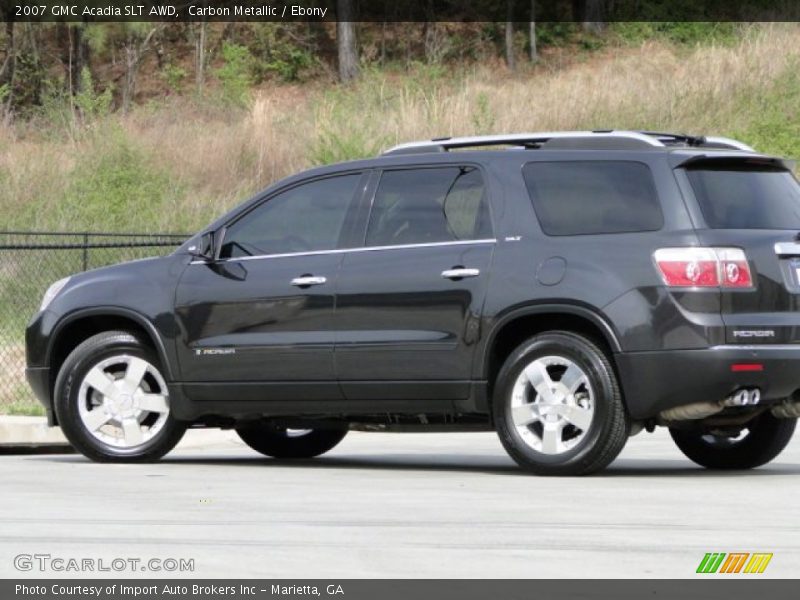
137	38
199	30
346	41
534	55
590	14
7	69
510	58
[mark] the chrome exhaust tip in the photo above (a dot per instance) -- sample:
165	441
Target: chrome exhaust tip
743	397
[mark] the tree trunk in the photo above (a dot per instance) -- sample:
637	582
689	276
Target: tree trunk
9	70
129	89
592	19
200	58
134	52
534	54
346	41
79	56
510	58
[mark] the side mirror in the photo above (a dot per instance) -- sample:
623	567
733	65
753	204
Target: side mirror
203	248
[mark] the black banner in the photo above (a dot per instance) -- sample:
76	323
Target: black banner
409	10
729	588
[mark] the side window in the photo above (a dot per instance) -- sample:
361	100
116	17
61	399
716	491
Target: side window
590	197
305	218
418	206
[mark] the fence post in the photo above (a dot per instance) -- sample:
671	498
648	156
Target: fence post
85	252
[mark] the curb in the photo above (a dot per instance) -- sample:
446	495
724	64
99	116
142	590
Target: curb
30	433
27	435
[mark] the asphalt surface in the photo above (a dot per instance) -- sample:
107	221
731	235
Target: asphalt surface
398	505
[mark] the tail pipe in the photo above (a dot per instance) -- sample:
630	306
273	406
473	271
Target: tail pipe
701	410
787	410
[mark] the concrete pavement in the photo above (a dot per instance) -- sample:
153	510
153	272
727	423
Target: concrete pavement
398	505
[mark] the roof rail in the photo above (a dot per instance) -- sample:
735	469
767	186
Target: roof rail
607	139
723	142
522	140
699	141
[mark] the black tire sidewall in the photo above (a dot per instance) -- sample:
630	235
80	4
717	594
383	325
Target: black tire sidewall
604	388
269	441
68	382
766	439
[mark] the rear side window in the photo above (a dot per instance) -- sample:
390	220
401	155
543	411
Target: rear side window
744	198
419	206
591	197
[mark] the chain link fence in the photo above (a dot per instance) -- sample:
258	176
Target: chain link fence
30	263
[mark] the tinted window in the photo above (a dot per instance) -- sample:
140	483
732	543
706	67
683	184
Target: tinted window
575	198
418	206
305	218
747	199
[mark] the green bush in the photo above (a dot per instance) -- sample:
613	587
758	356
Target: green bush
174	76
235	75
90	103
678	32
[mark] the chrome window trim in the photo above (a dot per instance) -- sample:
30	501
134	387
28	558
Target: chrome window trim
346	250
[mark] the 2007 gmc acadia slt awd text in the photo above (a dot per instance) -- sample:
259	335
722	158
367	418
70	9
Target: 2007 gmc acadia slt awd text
566	289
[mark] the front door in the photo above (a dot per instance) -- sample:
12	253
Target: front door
409	302
257	324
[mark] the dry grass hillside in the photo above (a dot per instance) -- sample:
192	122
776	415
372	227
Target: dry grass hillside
175	164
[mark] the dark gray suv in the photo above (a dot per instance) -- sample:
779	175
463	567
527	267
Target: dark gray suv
565	289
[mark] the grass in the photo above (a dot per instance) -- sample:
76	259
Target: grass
176	164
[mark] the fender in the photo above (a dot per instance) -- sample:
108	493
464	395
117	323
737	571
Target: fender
585	312
114	311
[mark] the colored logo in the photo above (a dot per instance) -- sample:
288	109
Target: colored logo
735	562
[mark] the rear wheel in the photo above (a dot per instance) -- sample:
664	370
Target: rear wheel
760	441
557	406
279	442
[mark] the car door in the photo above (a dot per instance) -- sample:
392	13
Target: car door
409	302
258	322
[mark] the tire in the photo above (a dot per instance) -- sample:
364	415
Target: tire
764	438
266	438
577	427
112	401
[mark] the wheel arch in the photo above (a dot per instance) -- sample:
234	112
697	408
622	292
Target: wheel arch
81	325
522	323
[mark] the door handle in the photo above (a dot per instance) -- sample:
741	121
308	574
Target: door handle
460	273
308	281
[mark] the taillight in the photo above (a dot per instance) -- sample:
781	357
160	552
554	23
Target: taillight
704	267
734	269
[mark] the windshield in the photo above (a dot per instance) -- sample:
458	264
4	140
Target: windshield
746	198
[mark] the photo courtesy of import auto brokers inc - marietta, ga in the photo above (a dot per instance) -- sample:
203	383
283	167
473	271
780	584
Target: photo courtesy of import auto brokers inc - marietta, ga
474	290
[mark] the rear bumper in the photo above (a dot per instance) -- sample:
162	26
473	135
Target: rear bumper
39	380
655	381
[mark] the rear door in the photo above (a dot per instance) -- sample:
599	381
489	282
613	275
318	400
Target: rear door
409	302
752	204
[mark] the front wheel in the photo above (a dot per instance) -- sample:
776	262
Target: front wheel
557	406
760	441
112	401
279	442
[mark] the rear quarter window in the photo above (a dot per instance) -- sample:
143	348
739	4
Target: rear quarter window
593	197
